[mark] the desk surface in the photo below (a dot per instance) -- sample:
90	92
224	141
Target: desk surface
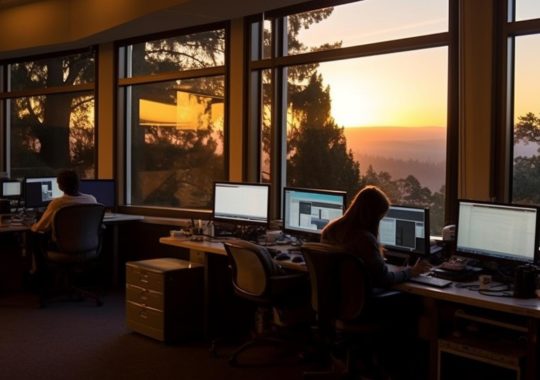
526	307
216	247
453	293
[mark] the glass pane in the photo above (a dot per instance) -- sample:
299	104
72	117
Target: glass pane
266	126
526	180
365	22
177	142
192	51
52	72
527	9
379	120
53	132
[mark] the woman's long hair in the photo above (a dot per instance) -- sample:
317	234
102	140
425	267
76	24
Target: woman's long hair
364	213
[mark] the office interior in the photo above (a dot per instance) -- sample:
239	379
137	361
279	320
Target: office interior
479	131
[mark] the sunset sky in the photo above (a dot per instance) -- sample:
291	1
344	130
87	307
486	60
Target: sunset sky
406	89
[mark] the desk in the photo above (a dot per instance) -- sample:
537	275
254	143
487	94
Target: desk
207	252
113	221
505	310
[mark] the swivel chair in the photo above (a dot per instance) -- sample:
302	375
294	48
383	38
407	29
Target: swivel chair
256	278
74	246
340	289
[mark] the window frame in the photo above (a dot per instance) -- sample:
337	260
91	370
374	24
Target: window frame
123	87
6	97
279	62
506	29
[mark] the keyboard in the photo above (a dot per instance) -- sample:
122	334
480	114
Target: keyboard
431	281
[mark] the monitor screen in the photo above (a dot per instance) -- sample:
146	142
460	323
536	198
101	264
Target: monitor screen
307	211
241	203
405	229
38	192
103	189
497	231
11	189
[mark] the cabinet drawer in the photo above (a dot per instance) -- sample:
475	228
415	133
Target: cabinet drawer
144	296
144	278
144	315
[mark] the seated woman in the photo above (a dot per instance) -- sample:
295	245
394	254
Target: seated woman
357	231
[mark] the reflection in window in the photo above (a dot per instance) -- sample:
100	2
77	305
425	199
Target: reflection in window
526	176
187	52
176	142
52	132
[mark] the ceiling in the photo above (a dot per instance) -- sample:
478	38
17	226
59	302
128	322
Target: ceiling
185	14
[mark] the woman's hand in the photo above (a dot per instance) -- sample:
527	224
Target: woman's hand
421	266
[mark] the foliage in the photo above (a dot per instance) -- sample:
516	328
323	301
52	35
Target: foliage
54	131
526	179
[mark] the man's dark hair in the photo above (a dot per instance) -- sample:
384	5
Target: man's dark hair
68	182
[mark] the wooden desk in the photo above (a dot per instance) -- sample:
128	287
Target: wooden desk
521	315
112	221
213	256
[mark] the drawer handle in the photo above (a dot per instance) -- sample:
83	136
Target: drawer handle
143	314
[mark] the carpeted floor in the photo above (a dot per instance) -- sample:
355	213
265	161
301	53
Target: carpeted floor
81	341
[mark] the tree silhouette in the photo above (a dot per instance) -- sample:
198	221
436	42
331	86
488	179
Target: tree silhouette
317	148
526	174
52	132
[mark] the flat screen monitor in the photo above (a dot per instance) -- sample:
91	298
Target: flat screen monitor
497	231
39	191
103	189
308	211
241	203
405	229
11	189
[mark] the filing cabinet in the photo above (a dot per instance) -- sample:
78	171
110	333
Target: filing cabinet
164	298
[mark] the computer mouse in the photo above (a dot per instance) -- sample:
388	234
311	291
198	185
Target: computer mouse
282	256
297	259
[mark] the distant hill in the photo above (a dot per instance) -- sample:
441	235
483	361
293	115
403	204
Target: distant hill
401	151
406	143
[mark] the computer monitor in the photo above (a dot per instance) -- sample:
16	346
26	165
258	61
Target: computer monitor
11	189
405	229
492	231
308	211
103	189
39	191
241	203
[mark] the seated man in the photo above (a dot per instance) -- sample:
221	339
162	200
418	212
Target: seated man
68	182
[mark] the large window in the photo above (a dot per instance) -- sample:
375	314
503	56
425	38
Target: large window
174	91
523	41
356	94
50	115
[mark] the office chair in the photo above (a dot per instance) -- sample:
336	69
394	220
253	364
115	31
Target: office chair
74	245
339	296
256	278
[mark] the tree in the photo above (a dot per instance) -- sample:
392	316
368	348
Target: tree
46	129
317	148
526	179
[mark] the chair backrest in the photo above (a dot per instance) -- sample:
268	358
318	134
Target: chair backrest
251	267
339	282
77	228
